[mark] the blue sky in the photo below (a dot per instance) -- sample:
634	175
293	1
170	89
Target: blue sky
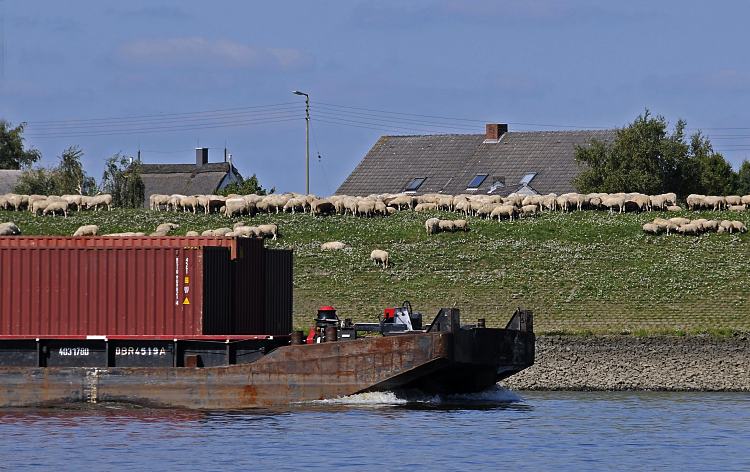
371	68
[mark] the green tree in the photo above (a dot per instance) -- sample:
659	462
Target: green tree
122	179
69	174
246	187
743	178
38	181
645	157
13	155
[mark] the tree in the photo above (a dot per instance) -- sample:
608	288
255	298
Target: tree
65	179
69	174
13	155
246	187
645	157
122	179
743	178
36	182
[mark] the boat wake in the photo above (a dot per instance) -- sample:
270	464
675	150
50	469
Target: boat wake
493	396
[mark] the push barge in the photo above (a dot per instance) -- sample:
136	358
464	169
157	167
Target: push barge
84	320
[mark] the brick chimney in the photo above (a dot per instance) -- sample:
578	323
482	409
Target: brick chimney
494	131
201	156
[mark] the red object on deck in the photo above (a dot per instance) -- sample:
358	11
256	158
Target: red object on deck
115	291
389	313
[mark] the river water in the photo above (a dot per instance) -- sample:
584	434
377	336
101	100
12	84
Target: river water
494	430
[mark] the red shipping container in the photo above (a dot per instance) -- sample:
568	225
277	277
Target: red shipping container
115	291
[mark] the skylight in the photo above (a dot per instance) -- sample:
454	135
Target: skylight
526	179
477	181
414	184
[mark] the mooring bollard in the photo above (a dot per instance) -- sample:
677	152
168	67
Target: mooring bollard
331	334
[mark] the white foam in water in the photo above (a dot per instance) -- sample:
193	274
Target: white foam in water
492	395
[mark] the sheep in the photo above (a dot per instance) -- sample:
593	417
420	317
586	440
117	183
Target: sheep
234	206
711	225
446	226
238	224
679	221
381	208
529	210
332	246
403	200
733	200
166	227
56	206
9	229
322	207
640	201
736	208
76	200
460	225
504	210
725	226
87	230
218	232
432	226
674	208
652	228
192	234
380	257
38	206
549	202
716	203
208	232
104	199
246	231
156	201
665	225
690	228
189	203
127	234
739	226
427	206
694	201
745	200
17	201
612	202
268	230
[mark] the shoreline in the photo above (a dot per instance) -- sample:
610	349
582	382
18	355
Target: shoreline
621	363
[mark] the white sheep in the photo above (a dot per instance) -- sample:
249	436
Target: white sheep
460	225
446	226
529	209
736	208
9	229
745	200
192	234
504	210
674	208
87	230
652	228
234	206
694	201
380	257
55	206
432	226
333	246
268	230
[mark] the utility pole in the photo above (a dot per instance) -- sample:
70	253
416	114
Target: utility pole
307	139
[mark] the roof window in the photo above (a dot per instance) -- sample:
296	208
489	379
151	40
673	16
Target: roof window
414	184
476	181
526	179
498	182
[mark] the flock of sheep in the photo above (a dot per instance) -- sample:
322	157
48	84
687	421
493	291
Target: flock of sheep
693	227
53	204
483	206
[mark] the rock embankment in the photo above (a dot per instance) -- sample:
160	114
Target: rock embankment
637	363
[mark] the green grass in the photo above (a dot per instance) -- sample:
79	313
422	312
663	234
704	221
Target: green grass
586	272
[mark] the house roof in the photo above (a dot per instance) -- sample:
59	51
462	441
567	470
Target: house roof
8	180
450	162
184	179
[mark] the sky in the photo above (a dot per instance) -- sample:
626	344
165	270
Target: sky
165	77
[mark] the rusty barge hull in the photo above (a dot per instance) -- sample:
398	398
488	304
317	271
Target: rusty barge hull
447	360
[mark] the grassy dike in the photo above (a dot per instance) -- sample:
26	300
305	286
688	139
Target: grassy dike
586	272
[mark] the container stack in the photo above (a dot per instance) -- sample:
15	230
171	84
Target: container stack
100	286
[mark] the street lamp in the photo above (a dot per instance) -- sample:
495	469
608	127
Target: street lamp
307	139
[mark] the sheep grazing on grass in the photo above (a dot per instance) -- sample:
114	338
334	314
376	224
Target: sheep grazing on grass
87	230
103	200
736	208
166	227
9	229
326	207
37	206
652	228
432	226
725	226
612	202
739	226
192	234
235	206
501	211
690	228
694	201
745	200
333	246
446	226
208	232
55	206
238	224
380	257
422	207
529	210
674	208
246	231
460	225
265	231
679	221
222	231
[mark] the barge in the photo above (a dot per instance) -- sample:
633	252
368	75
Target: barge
65	340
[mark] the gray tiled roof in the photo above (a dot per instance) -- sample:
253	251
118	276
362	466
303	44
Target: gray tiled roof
183	179
449	162
8	180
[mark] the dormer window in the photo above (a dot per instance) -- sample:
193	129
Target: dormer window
526	179
476	181
414	184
